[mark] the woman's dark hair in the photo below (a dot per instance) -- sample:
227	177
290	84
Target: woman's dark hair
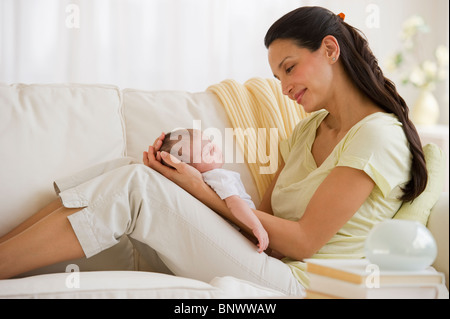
308	26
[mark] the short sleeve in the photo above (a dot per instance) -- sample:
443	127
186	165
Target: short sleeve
223	182
379	147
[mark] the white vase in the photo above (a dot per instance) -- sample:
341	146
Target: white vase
426	109
400	245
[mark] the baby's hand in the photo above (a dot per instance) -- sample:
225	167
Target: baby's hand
262	237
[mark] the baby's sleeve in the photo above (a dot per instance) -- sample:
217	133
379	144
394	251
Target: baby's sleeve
223	182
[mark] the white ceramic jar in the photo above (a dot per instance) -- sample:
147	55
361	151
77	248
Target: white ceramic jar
401	245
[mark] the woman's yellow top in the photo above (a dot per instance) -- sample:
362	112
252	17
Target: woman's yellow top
377	145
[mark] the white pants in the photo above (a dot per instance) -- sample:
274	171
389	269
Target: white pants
122	197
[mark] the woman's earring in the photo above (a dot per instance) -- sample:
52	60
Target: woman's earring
333	59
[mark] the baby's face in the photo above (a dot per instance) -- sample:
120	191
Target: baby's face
211	156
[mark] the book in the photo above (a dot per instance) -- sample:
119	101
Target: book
359	279
334	288
360	271
310	294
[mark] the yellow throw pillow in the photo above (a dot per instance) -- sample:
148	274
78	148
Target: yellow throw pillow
420	208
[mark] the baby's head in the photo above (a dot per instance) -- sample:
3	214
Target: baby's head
194	148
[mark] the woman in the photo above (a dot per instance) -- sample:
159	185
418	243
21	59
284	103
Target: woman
348	166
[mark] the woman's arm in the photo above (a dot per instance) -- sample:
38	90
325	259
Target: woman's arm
335	201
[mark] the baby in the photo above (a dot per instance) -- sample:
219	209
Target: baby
208	160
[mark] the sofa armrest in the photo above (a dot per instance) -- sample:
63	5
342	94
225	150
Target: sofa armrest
438	224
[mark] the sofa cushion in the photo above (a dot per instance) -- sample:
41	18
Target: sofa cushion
438	224
419	209
51	131
104	284
128	284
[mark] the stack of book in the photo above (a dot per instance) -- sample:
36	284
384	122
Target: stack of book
359	279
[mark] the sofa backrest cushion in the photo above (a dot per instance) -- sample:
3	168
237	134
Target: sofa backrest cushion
51	131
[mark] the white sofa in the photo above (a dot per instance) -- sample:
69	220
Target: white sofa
51	131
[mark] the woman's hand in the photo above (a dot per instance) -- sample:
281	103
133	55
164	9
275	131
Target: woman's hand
156	147
182	174
185	176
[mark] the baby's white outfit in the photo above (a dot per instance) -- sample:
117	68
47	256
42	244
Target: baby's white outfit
227	183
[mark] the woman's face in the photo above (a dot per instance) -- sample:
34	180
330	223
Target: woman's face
305	76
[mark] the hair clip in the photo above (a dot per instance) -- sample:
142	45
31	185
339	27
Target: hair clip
342	16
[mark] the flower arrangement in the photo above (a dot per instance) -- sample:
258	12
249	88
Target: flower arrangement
422	73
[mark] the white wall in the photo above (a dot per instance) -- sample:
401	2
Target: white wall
179	44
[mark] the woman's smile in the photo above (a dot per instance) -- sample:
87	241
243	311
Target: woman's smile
298	97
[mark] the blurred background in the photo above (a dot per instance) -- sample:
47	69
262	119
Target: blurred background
191	44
